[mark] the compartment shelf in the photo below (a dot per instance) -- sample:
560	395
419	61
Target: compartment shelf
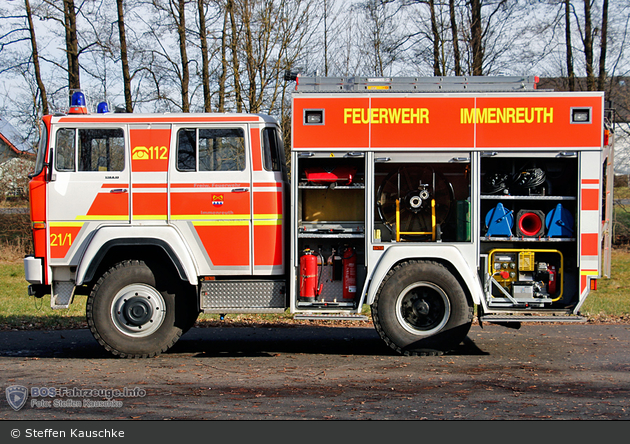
526	239
338	187
331	236
547	198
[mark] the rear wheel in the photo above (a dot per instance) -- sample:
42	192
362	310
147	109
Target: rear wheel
421	309
134	313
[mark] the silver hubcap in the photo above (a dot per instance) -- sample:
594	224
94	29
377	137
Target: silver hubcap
423	308
138	310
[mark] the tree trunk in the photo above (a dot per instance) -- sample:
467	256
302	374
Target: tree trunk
601	81
325	38
72	45
588	46
456	56
224	61
249	56
476	37
38	76
181	31
205	74
567	21
235	65
436	41
123	56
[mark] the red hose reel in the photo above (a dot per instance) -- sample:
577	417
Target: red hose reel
530	223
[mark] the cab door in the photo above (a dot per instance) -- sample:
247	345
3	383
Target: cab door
270	194
89	185
210	195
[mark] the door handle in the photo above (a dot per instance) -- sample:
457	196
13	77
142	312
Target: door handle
239	190
118	190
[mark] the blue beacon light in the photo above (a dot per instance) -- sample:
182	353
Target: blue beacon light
102	108
77	104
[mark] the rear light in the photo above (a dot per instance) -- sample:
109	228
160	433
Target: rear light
606	137
594	284
39	225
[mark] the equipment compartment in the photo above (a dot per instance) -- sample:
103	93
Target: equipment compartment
330	230
423	201
528	200
529	210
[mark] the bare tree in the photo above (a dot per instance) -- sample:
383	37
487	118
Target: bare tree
205	69
36	67
178	12
587	39
476	33
234	39
569	46
224	60
456	55
601	80
122	35
381	39
72	45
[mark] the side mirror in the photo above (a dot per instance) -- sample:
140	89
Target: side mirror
49	165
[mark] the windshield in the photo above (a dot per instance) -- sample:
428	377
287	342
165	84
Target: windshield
41	152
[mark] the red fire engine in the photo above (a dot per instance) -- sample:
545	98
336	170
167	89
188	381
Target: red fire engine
421	198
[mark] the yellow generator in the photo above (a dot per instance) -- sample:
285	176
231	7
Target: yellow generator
527	278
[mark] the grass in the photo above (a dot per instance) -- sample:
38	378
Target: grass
20	311
612	299
621	193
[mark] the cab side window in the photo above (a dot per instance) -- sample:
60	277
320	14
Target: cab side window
273	151
101	150
64	149
98	149
211	149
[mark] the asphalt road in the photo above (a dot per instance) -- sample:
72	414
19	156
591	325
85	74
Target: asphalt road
548	372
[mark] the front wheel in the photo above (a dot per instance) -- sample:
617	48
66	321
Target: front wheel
133	315
421	309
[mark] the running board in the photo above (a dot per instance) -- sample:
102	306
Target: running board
530	318
330	317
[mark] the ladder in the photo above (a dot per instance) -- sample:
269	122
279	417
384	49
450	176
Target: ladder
414	84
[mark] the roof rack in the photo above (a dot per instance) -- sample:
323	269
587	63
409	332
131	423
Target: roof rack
416	84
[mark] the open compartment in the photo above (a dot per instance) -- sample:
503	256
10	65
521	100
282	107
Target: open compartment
422	198
330	230
529	199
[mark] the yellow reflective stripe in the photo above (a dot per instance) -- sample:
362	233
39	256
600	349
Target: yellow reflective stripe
221	223
210	216
101	217
589	273
225	216
271	217
66	224
268	222
149	217
267	216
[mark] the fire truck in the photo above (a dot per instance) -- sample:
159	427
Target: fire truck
422	199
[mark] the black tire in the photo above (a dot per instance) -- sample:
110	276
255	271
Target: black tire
133	312
421	309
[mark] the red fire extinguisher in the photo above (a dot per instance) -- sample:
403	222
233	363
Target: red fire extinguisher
349	273
309	279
